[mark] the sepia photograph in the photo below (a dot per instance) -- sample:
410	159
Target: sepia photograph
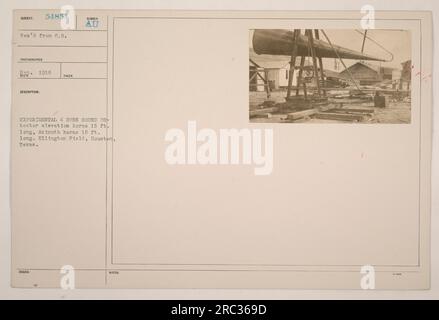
330	76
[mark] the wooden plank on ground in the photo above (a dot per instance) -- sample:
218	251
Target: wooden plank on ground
262	112
354	111
302	114
338	116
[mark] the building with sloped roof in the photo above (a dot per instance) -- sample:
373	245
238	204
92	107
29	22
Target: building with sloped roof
368	74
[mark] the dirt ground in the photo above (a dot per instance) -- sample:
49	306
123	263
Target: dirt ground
393	113
256	98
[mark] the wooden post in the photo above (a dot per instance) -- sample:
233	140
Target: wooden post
314	60
322	74
293	61
267	83
299	76
304	91
364	41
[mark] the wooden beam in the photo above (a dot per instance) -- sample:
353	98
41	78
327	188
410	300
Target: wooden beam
314	59
339	116
253	76
364	41
299	77
322	75
302	114
254	63
268	84
262	112
352	111
296	34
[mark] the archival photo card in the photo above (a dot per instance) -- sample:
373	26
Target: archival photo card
171	149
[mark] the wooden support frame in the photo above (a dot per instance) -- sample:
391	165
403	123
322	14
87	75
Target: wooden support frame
317	64
257	73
